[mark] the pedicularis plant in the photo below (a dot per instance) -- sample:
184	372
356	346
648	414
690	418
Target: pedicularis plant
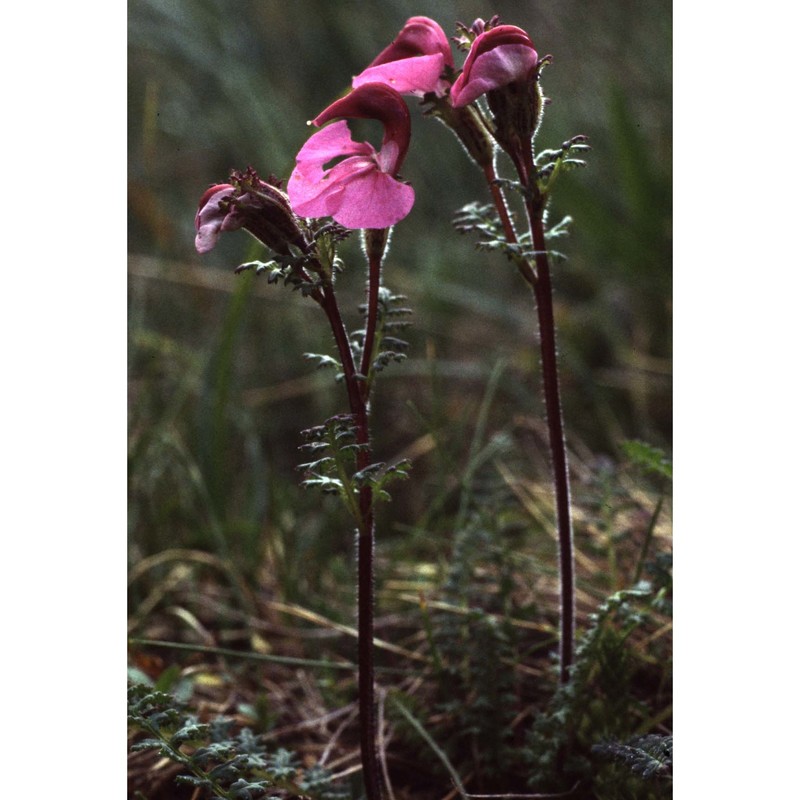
494	102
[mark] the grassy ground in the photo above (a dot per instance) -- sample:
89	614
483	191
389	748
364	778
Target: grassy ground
466	623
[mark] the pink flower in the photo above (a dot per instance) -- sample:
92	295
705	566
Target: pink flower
498	57
259	207
361	190
414	62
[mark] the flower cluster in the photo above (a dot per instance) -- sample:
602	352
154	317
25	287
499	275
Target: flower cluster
499	55
360	186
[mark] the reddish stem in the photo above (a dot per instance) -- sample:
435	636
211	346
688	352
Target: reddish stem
543	292
558	448
500	203
328	302
375	245
358	397
366	658
505	219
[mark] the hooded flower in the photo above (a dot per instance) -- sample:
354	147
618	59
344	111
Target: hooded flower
498	57
255	205
414	62
361	190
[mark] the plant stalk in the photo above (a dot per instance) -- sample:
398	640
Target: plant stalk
499	199
539	280
543	292
331	309
375	245
358	389
501	205
366	655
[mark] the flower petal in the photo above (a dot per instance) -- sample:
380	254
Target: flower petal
413	63
211	218
311	186
416	75
500	56
355	193
361	191
319	194
420	36
380	102
333	141
373	199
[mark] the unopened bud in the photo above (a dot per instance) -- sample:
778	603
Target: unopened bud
248	202
517	111
266	213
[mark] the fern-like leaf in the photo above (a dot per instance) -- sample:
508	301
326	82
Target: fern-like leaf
647	756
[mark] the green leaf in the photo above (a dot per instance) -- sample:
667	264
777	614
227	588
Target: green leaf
383	359
258	266
314	466
649	458
323	361
559	229
191	732
168	678
369	474
147	744
135	675
647	756
326	484
193	780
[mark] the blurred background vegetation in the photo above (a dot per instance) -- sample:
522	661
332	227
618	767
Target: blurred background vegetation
223	543
218	387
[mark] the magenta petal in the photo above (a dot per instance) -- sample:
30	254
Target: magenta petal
310	186
492	70
316	195
355	193
210	218
308	194
376	101
373	200
333	141
420	36
413	63
416	75
359	191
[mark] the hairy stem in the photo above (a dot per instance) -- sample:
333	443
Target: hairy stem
358	397
366	658
499	200
331	308
375	245
500	203
543	292
539	280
